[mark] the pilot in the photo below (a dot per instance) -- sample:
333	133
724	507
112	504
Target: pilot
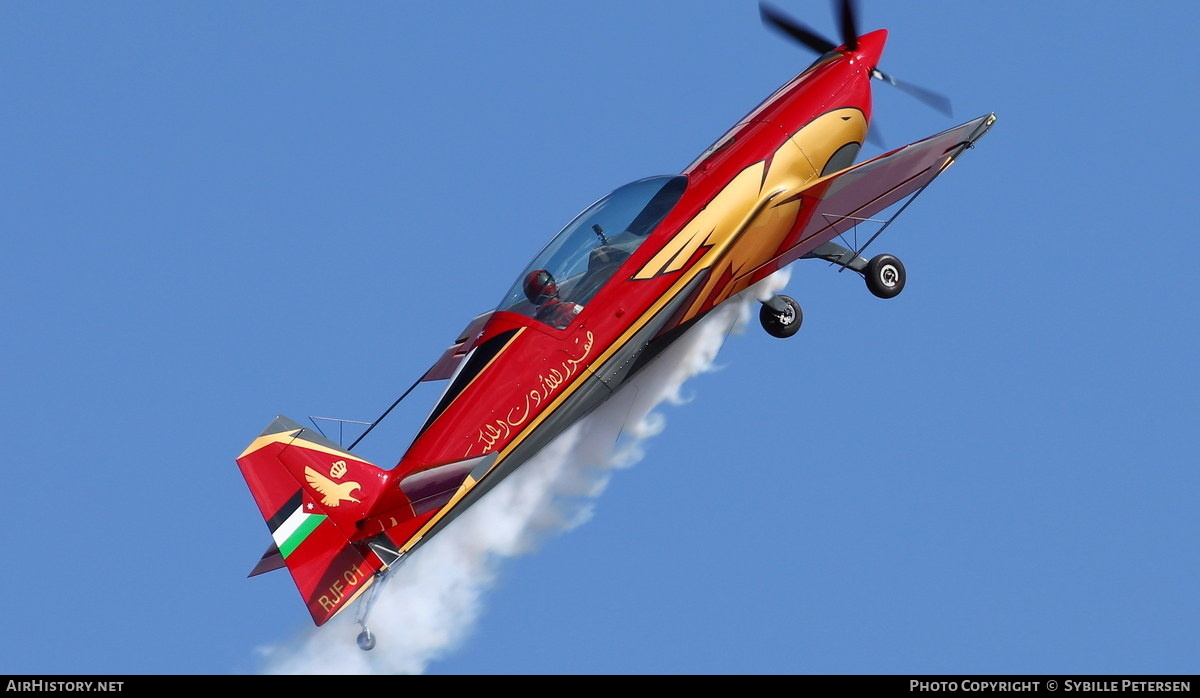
542	291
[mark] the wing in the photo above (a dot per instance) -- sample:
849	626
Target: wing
842	200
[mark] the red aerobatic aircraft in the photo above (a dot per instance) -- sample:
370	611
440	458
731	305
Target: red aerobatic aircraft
617	285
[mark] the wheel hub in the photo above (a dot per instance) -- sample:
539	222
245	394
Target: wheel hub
888	275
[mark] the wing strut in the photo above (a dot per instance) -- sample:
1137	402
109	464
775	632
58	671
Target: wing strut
857	254
385	413
341	426
852	259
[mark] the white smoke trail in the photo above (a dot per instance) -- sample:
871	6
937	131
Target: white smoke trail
429	604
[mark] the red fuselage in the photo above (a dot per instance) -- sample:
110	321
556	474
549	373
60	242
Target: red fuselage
738	221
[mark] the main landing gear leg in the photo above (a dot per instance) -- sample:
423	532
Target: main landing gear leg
884	273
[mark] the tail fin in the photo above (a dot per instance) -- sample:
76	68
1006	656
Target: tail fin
312	494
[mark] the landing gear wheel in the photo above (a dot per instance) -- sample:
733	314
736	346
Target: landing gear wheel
885	276
366	640
781	323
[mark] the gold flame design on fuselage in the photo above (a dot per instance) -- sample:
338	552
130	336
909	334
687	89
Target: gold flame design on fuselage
743	226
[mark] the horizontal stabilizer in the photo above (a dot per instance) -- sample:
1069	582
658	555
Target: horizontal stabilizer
270	561
433	488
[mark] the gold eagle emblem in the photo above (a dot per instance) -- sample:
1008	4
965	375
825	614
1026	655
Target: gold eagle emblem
333	493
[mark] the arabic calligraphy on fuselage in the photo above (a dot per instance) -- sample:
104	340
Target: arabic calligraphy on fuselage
545	387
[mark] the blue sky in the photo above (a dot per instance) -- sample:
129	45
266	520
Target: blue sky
215	213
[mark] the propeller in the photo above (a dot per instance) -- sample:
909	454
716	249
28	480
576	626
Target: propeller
929	97
796	30
848	24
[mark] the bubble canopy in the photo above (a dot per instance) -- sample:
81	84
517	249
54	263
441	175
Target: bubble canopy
589	250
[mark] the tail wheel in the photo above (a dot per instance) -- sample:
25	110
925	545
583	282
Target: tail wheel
781	323
885	276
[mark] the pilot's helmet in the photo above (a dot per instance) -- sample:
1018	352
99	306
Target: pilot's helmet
540	287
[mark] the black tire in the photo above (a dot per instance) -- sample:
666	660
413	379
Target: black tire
885	276
366	641
781	325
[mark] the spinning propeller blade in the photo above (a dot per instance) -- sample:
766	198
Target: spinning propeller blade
849	26
847	16
929	97
795	29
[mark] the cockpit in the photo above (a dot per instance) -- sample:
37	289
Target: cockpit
569	271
